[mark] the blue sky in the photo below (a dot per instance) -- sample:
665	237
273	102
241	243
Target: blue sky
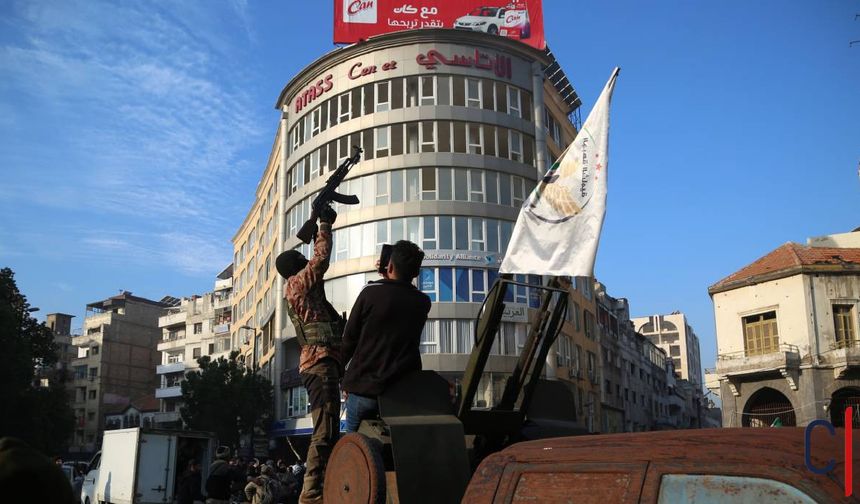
132	137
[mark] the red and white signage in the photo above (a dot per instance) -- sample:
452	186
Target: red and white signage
359	19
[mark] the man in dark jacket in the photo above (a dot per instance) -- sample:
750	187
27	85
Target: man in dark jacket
221	477
383	333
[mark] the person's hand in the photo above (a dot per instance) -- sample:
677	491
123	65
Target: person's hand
327	214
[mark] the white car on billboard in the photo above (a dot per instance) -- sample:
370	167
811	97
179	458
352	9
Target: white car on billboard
511	21
484	19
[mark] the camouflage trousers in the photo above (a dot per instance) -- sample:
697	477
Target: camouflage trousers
322	382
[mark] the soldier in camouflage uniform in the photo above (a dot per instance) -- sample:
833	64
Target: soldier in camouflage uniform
319	329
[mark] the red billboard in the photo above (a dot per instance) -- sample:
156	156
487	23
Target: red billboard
355	20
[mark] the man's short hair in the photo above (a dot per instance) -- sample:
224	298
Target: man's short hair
406	258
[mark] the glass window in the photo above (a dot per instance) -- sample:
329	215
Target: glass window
428	183
444	135
383	141
479	287
489	140
514	108
443	85
504	235
344	106
316	121
413	229
477	233
446	336
492	186
427	282
428	90
462	282
445	184
368	144
412	184
429	242
502	138
428	338
411	138
492	235
461	235
501	98
397	186
396	139
397	93
397	231
428	136
516	145
332	111
475	140
473	93
459	137
446	233
383	100
476	186
412	91
461	188
381	234
487	91
368	101
715	488
446	285
504	189
517	184
382	188
356	103
459	85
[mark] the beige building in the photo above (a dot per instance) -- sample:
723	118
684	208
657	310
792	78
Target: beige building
676	337
191	327
115	361
787	335
450	154
61	325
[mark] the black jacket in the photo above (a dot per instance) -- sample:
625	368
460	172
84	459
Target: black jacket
382	335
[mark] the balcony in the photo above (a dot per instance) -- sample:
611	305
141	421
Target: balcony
168	392
174	367
843	355
226	283
167	417
222	328
172	319
170	344
223	303
735	366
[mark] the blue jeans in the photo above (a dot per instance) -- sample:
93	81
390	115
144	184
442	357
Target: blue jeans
359	408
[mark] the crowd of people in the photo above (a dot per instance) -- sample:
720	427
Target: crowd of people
233	480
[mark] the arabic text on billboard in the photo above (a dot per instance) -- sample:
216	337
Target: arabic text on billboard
359	19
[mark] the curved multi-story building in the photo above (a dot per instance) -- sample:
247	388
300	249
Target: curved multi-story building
456	128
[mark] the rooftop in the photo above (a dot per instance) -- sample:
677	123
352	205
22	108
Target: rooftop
791	259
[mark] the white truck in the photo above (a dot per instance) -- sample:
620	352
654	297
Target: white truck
143	466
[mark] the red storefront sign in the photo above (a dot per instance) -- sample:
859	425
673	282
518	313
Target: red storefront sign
313	92
498	64
355	20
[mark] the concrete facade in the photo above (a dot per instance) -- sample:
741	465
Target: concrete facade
195	327
450	153
676	337
61	325
787	337
116	359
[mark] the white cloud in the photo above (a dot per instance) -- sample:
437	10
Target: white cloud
148	104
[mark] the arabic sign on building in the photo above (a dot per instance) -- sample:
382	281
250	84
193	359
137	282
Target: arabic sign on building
355	20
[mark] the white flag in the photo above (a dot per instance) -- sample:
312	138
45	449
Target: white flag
559	225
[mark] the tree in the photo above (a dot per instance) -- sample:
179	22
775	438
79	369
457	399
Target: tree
41	416
226	398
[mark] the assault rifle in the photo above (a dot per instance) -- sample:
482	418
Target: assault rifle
329	194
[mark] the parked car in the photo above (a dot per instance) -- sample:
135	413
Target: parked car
142	466
764	465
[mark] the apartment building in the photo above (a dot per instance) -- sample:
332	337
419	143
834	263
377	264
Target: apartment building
191	328
676	337
115	361
787	335
450	154
60	325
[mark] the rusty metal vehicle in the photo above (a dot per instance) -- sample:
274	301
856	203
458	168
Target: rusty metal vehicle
765	465
427	447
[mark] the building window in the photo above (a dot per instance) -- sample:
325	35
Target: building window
383	141
195	353
516	146
514	107
198	328
383	100
173	358
94	372
297	402
761	335
473	93
94	350
843	322
91	394
428	90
